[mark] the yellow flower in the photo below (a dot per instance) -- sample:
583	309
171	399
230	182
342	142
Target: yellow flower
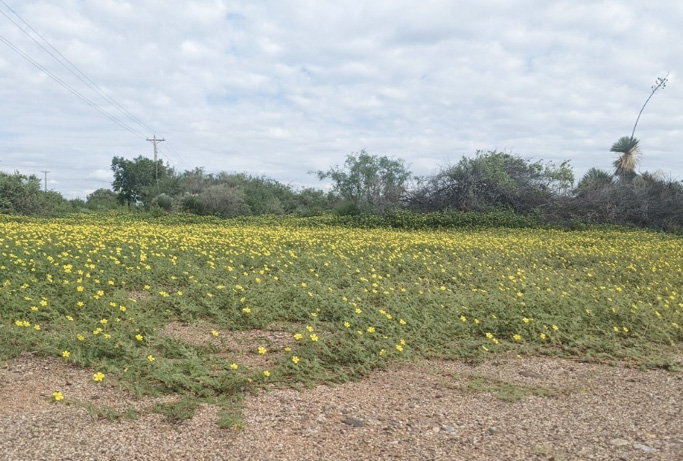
262	350
234	366
543	336
266	373
402	322
151	358
295	359
517	337
246	310
371	329
314	337
215	333
298	336
347	324
98	377
66	354
399	348
36	327
57	396
139	337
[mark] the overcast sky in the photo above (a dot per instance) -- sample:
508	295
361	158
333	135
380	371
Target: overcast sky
283	87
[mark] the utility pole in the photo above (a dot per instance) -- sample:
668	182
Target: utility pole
156	165
45	172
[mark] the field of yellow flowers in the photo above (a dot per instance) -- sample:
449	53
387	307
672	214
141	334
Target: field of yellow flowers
103	291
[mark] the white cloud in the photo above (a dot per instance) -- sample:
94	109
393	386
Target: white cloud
281	87
101	175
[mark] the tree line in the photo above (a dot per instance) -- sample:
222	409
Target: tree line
375	185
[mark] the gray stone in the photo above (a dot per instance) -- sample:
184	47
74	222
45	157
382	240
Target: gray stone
643	447
353	422
618	442
530	374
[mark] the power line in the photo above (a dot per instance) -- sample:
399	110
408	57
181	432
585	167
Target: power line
80	75
68	87
71	67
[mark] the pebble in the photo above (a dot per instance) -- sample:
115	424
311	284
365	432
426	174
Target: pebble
619	442
353	422
530	374
643	447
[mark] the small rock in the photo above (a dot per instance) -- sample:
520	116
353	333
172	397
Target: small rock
492	430
393	443
436	429
310	432
643	447
448	429
321	418
353	422
619	442
530	374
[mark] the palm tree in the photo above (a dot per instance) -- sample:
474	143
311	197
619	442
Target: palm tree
625	165
594	179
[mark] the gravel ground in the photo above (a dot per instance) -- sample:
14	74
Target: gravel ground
425	410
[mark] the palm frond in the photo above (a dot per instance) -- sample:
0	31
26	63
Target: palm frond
629	148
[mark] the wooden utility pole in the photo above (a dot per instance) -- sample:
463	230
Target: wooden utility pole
45	173
156	156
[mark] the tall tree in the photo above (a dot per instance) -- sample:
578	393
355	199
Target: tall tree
138	181
368	182
494	180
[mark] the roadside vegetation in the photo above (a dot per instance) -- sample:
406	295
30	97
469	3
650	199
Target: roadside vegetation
208	309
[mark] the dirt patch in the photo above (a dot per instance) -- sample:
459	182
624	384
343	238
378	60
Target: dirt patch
419	410
239	346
